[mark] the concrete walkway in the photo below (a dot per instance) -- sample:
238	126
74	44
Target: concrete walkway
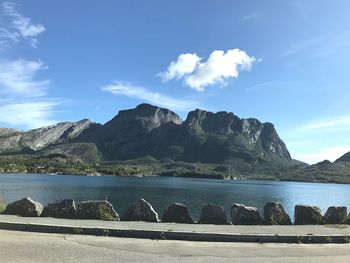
25	247
189	232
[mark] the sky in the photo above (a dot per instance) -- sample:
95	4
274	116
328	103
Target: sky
285	62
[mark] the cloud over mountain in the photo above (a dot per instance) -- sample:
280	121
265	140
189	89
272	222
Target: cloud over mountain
137	92
217	69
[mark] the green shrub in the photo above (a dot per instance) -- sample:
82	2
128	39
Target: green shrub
2	205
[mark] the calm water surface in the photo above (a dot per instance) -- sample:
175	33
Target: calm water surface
162	191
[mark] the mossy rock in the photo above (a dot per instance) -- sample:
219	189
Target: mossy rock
100	210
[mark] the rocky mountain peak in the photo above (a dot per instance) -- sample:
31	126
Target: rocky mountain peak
147	116
195	118
253	133
221	122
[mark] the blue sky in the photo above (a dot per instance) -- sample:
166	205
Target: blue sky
286	62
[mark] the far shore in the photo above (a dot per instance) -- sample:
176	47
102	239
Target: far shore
250	178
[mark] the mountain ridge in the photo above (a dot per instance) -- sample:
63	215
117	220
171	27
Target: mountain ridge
159	132
148	130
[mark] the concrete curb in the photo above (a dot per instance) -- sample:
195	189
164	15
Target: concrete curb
176	235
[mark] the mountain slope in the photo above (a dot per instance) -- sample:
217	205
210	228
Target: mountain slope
217	137
14	141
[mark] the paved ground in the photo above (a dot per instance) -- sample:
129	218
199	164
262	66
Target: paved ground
25	247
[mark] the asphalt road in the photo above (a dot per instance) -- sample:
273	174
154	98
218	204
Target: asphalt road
39	247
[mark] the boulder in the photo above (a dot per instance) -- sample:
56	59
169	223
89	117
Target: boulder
274	214
141	210
336	215
177	213
308	215
245	215
24	207
213	214
60	209
100	210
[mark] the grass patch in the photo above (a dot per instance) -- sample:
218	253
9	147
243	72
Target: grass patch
2	205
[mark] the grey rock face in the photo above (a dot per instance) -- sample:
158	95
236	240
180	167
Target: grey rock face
274	214
6	131
24	207
62	132
100	210
15	141
336	215
141	210
308	215
9	140
149	116
272	143
60	209
247	133
127	135
177	213
245	215
213	214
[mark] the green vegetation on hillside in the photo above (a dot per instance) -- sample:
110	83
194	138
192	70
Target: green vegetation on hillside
87	152
58	163
2	205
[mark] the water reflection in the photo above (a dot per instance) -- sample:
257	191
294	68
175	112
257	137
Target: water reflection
162	191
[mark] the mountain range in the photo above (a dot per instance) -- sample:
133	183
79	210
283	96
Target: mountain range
147	130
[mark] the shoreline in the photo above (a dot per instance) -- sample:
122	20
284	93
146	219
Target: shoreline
194	177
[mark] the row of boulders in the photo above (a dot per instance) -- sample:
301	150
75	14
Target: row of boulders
141	210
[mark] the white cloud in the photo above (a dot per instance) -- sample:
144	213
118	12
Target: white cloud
6	34
23	100
318	140
17	77
328	125
251	16
217	69
185	64
263	85
321	45
19	27
330	153
23	97
305	44
28	115
126	89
